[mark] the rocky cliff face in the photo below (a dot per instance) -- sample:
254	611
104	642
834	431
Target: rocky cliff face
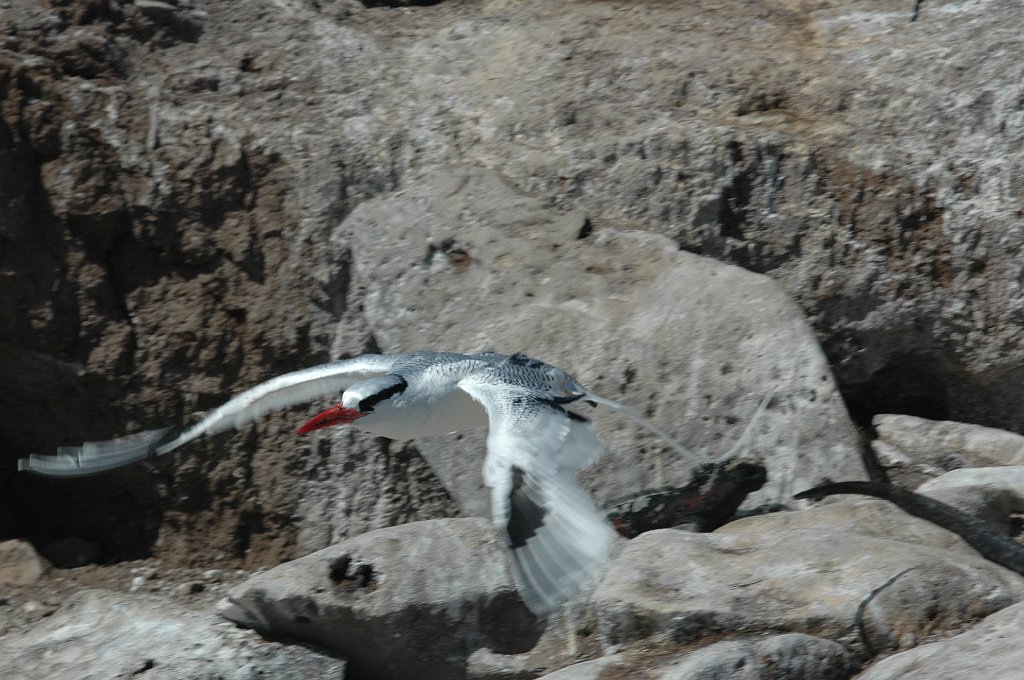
171	174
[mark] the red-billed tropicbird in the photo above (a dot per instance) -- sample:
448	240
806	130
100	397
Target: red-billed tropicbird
558	539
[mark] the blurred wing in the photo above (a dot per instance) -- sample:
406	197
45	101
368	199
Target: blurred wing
558	538
277	393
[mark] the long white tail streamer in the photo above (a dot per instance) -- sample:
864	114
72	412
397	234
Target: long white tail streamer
754	419
673	444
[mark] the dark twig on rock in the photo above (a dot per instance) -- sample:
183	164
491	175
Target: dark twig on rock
710	500
979	534
917	10
859	618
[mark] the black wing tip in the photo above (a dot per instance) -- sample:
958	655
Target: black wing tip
526	515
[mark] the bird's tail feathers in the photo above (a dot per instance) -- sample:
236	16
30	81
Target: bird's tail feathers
93	457
646	424
676	446
745	437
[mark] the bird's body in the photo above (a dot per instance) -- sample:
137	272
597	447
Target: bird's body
535	445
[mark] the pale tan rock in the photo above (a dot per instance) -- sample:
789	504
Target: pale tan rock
99	634
913	450
673	587
791	656
408	601
855	514
991	649
595	669
168	203
20	565
994	494
171	196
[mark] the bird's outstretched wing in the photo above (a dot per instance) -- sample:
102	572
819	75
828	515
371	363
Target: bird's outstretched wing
280	392
558	538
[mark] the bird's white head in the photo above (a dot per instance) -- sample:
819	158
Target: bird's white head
357	401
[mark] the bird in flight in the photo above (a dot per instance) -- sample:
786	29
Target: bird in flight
535	445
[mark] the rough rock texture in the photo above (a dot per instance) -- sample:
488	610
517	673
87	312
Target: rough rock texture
674	604
692	343
587	670
98	634
994	494
169	180
870	517
22	607
401	602
793	656
991	649
913	450
672	588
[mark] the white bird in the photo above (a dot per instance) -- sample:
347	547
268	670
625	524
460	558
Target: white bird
558	539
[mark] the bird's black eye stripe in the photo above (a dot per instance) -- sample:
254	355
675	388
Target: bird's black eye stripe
366	405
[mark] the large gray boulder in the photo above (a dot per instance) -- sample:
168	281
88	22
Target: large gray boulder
791	656
871	595
98	635
994	494
854	514
409	601
913	450
691	342
991	649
